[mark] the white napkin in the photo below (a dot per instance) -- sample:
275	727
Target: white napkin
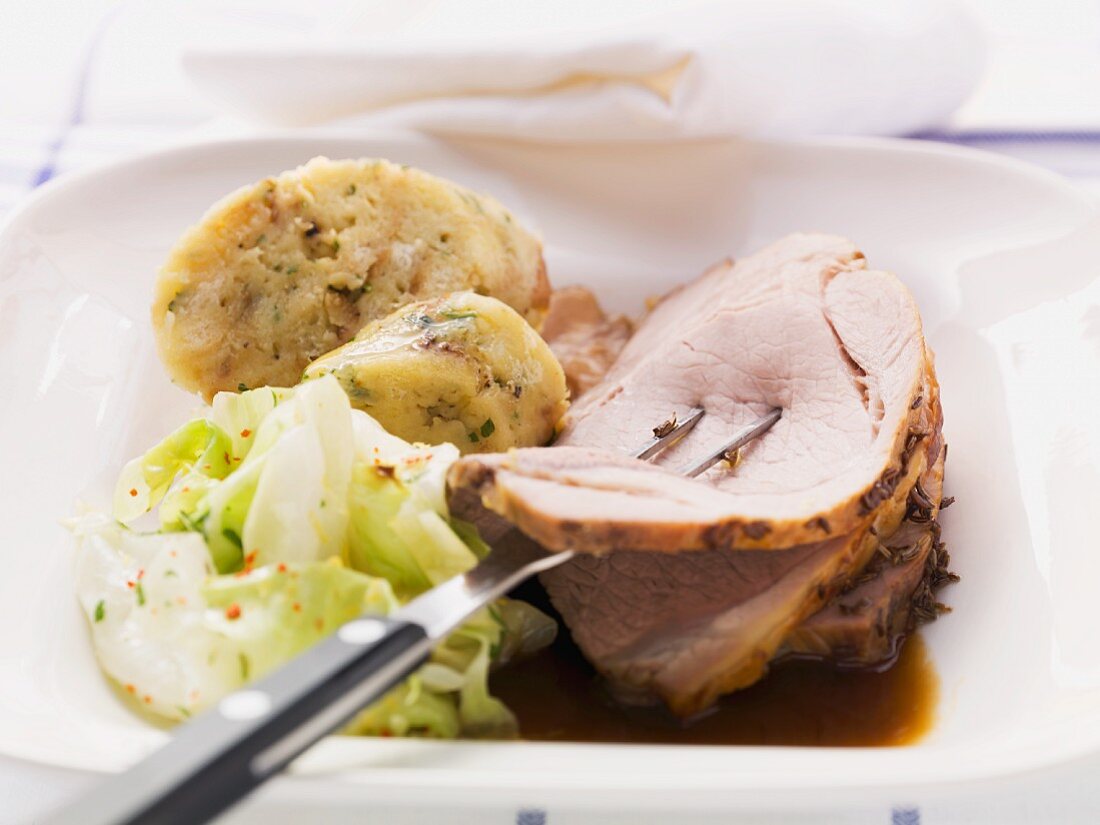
563	70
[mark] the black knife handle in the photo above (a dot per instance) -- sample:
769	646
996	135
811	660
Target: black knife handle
222	755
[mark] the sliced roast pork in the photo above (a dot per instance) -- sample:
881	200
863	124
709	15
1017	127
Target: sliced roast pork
688	627
680	627
803	326
689	587
583	337
864	623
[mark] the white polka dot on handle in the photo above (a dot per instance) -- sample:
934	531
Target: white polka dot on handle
361	632
245	704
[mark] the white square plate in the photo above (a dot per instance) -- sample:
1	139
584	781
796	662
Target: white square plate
1002	259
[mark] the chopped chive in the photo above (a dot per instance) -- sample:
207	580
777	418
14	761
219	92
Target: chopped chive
242	387
473	437
488	428
351	189
100	610
184	712
244	666
233	538
139	591
290	270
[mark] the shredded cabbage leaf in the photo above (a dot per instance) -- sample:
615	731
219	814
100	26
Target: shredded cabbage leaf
283	514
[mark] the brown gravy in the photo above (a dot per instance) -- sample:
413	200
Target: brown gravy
558	697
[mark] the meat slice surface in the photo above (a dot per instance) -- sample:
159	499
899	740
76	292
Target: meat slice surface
863	627
683	628
864	624
595	501
804	326
686	627
584	339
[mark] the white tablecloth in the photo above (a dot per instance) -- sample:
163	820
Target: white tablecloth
83	85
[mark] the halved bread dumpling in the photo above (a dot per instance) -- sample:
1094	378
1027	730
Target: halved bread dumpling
289	268
465	369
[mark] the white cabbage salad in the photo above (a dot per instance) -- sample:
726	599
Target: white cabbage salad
283	514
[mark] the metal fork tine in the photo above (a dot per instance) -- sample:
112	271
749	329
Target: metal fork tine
672	430
739	440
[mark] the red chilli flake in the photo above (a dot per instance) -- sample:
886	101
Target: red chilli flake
297	608
148	699
133	492
131	689
141	574
130	584
233	612
246	433
281	568
251	557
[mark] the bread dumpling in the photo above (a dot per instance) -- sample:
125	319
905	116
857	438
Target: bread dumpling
289	268
465	369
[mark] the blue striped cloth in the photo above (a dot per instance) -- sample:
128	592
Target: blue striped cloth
31	156
86	135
